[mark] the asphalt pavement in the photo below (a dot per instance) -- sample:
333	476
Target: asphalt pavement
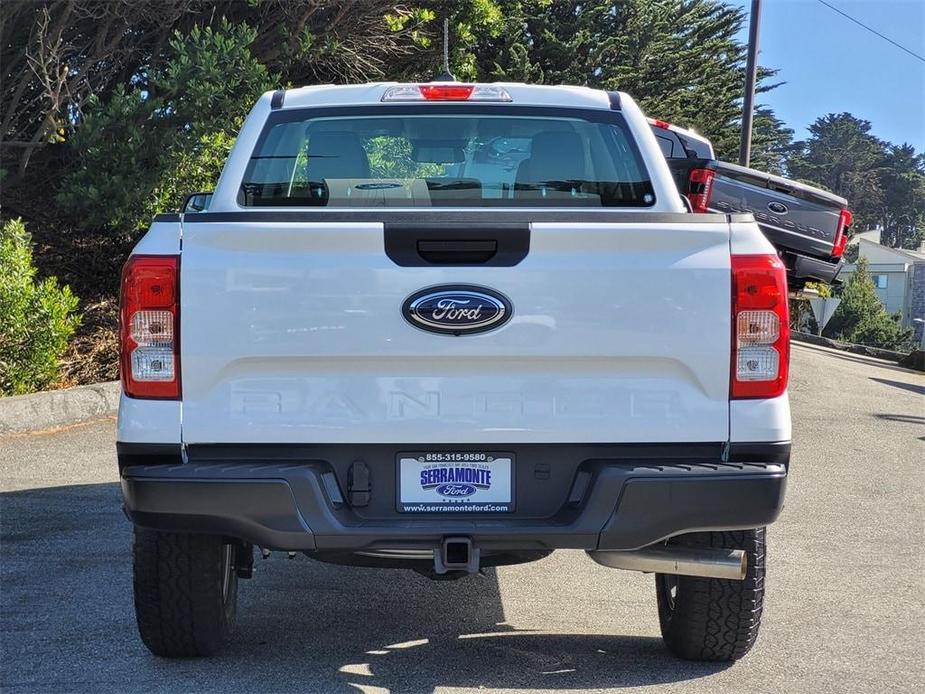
844	610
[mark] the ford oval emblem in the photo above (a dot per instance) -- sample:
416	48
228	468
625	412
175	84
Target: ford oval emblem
456	490
461	309
777	207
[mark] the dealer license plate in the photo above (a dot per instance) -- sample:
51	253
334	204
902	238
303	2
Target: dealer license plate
455	482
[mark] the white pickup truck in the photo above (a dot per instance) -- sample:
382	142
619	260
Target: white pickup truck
446	327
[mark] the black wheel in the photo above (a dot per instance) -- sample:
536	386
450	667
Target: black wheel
709	618
185	592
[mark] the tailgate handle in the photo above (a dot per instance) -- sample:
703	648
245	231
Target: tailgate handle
457	252
456	242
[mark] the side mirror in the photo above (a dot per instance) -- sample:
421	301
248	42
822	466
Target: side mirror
196	202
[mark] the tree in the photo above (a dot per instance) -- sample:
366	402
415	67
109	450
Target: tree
842	156
883	183
862	319
902	216
680	59
771	142
58	54
141	151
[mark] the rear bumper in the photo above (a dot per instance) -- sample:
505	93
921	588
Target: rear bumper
806	268
612	503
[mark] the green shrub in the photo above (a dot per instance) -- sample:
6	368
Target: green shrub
860	317
36	318
143	149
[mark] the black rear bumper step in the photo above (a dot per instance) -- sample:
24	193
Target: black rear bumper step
805	267
625	504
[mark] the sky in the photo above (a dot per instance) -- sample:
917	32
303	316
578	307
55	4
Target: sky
831	65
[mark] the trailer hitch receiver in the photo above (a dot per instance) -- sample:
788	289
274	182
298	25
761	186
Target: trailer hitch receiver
456	554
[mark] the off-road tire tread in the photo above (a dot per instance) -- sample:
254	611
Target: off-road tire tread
178	593
716	619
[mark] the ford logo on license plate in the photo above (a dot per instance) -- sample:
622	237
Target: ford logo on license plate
456	490
457	309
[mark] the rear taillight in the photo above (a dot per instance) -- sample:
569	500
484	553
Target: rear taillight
841	233
760	327
700	186
663	124
149	329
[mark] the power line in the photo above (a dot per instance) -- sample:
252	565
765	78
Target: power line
871	30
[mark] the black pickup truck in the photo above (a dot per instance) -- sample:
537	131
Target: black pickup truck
807	225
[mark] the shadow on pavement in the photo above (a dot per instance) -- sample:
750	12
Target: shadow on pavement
850	356
911	387
904	418
68	625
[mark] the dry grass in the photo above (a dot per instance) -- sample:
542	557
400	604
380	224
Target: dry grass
93	353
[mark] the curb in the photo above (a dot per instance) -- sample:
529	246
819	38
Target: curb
55	408
875	352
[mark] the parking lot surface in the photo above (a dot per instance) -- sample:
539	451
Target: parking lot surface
844	610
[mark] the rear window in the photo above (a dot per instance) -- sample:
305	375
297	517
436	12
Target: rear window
459	157
667	145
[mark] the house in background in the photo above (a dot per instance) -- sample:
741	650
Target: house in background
898	275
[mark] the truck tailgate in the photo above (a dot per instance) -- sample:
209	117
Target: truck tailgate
791	215
292	332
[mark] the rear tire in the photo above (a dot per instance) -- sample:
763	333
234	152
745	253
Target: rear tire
185	592
709	618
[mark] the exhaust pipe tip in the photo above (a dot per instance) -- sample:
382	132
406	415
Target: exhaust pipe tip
703	562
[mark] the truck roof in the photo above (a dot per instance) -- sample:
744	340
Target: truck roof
368	94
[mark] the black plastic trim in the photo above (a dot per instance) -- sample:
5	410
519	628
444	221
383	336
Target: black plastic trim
167	217
651	509
276	101
614	98
129	454
278	452
805	267
633	495
440	243
761	452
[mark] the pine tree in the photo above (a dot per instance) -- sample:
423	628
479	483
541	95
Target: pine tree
680	59
903	213
862	319
842	156
883	183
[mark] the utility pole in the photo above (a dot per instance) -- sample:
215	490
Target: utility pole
751	74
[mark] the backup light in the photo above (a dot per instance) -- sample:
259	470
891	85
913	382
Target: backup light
153	364
446	91
759	327
152	328
757	363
